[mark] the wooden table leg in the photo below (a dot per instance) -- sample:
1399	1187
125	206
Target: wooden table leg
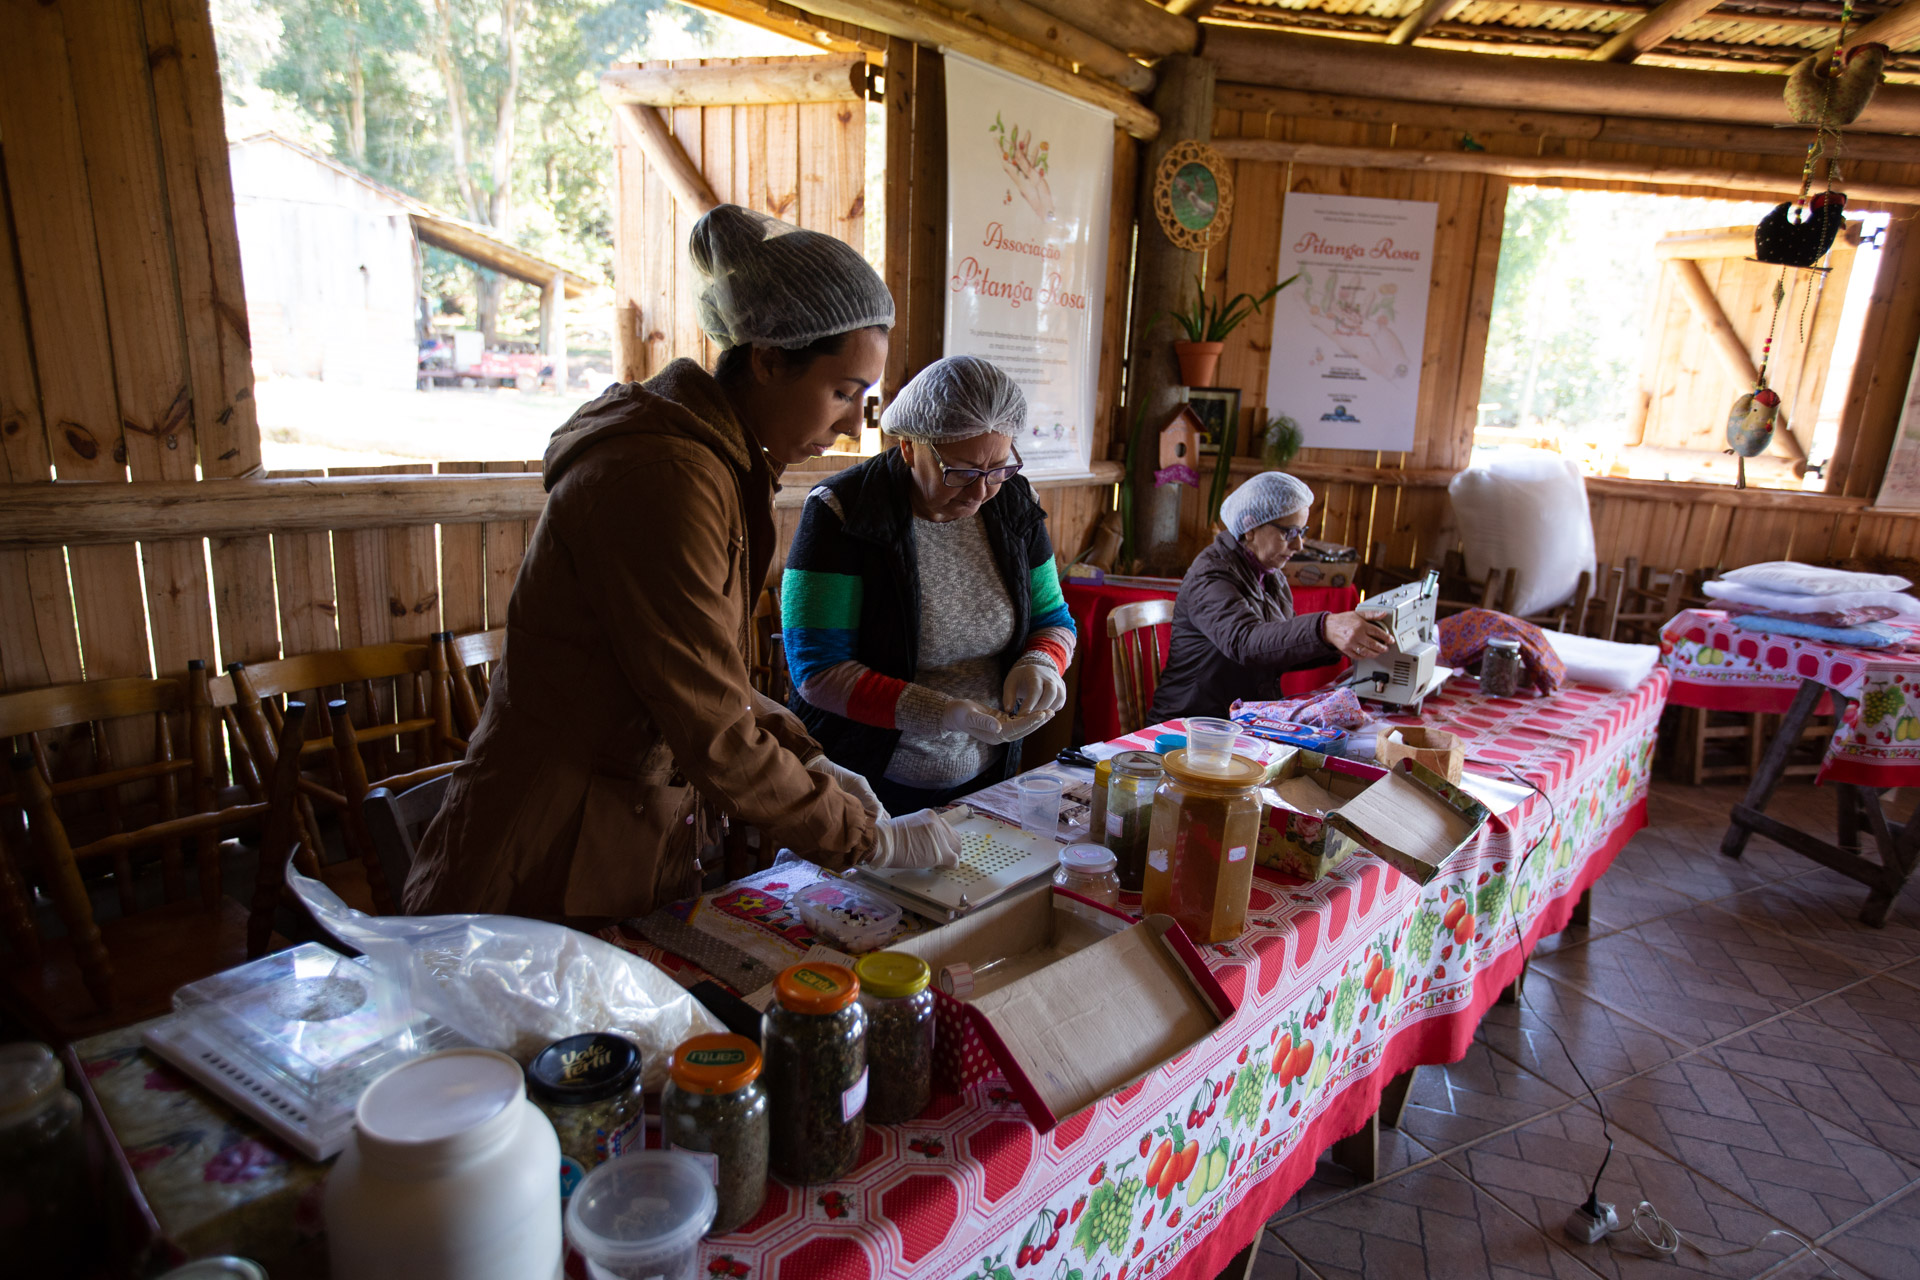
1583	909
1851	812
1241	1268
1393	1099
1359	1154
1773	766
1512	993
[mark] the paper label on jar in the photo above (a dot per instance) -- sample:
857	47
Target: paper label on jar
608	1143
1237	854
1157	859
570	1175
710	1160
1116	823
854	1100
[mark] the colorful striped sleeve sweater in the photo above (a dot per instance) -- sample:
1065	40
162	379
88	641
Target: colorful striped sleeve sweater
822	593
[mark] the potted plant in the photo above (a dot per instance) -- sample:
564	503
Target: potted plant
1207	323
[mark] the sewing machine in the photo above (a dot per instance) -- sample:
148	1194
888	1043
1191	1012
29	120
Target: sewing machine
1405	674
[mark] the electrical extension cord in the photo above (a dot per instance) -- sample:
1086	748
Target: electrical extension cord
1592	1222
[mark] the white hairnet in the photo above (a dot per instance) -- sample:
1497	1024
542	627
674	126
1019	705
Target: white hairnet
763	281
957	398
1262	500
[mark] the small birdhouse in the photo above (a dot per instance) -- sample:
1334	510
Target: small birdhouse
1180	439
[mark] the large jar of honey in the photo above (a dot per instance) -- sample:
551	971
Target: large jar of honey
1200	853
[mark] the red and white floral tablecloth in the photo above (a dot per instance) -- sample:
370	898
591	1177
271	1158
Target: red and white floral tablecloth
1342	984
1718	667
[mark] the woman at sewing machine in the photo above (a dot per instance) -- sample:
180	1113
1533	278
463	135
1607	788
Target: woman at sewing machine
1234	629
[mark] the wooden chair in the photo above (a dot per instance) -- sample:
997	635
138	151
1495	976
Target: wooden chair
134	807
1636	600
396	821
408	683
1133	631
470	660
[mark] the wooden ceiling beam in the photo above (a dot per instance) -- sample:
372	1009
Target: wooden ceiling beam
1140	27
1420	21
1551	84
1644	33
1060	38
1896	29
829	79
1194	9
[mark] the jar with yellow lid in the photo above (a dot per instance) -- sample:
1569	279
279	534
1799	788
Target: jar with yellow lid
897	992
813	1037
715	1110
1200	853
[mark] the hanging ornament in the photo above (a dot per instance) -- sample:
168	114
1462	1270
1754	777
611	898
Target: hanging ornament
1782	240
1830	89
1750	427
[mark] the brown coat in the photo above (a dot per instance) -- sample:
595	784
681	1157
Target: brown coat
622	701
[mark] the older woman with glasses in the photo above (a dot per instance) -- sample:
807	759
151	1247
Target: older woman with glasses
1234	629
924	623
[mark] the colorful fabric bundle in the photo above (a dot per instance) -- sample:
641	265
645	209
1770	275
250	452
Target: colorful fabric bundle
1328	709
1464	636
1871	635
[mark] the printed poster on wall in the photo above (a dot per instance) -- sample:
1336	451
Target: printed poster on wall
1029	181
1347	335
1900	489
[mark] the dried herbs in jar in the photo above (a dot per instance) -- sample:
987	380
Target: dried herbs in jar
814	1039
895	989
715	1110
590	1087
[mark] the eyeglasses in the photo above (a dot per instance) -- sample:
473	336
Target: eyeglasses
1291	532
961	477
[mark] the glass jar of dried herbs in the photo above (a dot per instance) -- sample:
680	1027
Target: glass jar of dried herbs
896	990
715	1110
814	1038
1136	776
590	1087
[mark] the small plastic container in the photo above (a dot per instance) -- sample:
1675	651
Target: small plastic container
1040	805
1167	743
960	979
1088	870
1502	669
43	1164
715	1109
896	990
590	1088
1210	745
1200	856
642	1217
814	1038
1136	776
849	918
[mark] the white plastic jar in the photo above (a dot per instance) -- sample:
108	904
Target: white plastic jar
448	1176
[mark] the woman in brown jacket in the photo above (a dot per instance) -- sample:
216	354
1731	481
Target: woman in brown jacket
621	721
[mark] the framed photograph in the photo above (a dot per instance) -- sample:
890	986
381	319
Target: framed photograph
1218	409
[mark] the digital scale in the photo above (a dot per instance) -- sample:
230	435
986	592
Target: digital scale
995	859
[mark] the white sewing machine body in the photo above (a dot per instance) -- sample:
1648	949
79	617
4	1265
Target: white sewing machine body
1406	673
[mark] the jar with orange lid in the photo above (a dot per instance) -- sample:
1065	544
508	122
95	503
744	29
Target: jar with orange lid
814	1039
897	990
1200	851
715	1110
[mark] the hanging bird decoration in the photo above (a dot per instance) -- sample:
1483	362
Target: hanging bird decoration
1830	89
1750	425
1783	242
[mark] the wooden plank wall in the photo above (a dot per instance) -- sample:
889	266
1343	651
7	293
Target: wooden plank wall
1411	522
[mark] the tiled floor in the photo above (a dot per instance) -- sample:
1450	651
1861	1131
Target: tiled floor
1756	1051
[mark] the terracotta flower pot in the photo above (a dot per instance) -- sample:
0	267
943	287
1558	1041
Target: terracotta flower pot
1198	361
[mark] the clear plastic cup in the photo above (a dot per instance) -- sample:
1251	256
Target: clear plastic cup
1040	805
641	1217
1210	744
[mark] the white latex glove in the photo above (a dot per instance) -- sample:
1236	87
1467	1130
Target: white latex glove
919	840
852	783
976	721
1033	687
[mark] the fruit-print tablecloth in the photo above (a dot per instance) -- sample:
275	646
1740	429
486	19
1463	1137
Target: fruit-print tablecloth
1342	984
1718	667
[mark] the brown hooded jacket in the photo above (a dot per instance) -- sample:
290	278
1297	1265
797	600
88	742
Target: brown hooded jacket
622	701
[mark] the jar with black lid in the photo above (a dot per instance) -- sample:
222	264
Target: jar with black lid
714	1108
814	1039
590	1087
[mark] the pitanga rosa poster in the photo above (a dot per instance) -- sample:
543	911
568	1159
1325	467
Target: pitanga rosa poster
1347	335
1029	180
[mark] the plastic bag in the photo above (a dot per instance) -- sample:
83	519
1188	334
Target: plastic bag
1782	602
1527	511
1790	577
518	985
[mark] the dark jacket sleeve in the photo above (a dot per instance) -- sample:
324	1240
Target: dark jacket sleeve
1219	608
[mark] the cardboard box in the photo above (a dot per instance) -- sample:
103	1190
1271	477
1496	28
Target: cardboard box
1152	997
1437	749
1321	810
1321	573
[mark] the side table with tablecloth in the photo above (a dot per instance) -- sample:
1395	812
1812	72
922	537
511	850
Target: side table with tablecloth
1719	666
1090	604
1342	984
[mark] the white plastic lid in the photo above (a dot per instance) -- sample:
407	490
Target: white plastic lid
636	1216
438	1097
224	1268
29	1074
1089	859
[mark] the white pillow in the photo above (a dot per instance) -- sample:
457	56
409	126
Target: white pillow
1607	663
1791	578
1778	602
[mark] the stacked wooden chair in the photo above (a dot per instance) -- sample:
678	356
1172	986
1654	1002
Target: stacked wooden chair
1138	657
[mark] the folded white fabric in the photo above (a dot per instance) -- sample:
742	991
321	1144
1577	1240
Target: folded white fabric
1838	602
1789	577
1607	663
